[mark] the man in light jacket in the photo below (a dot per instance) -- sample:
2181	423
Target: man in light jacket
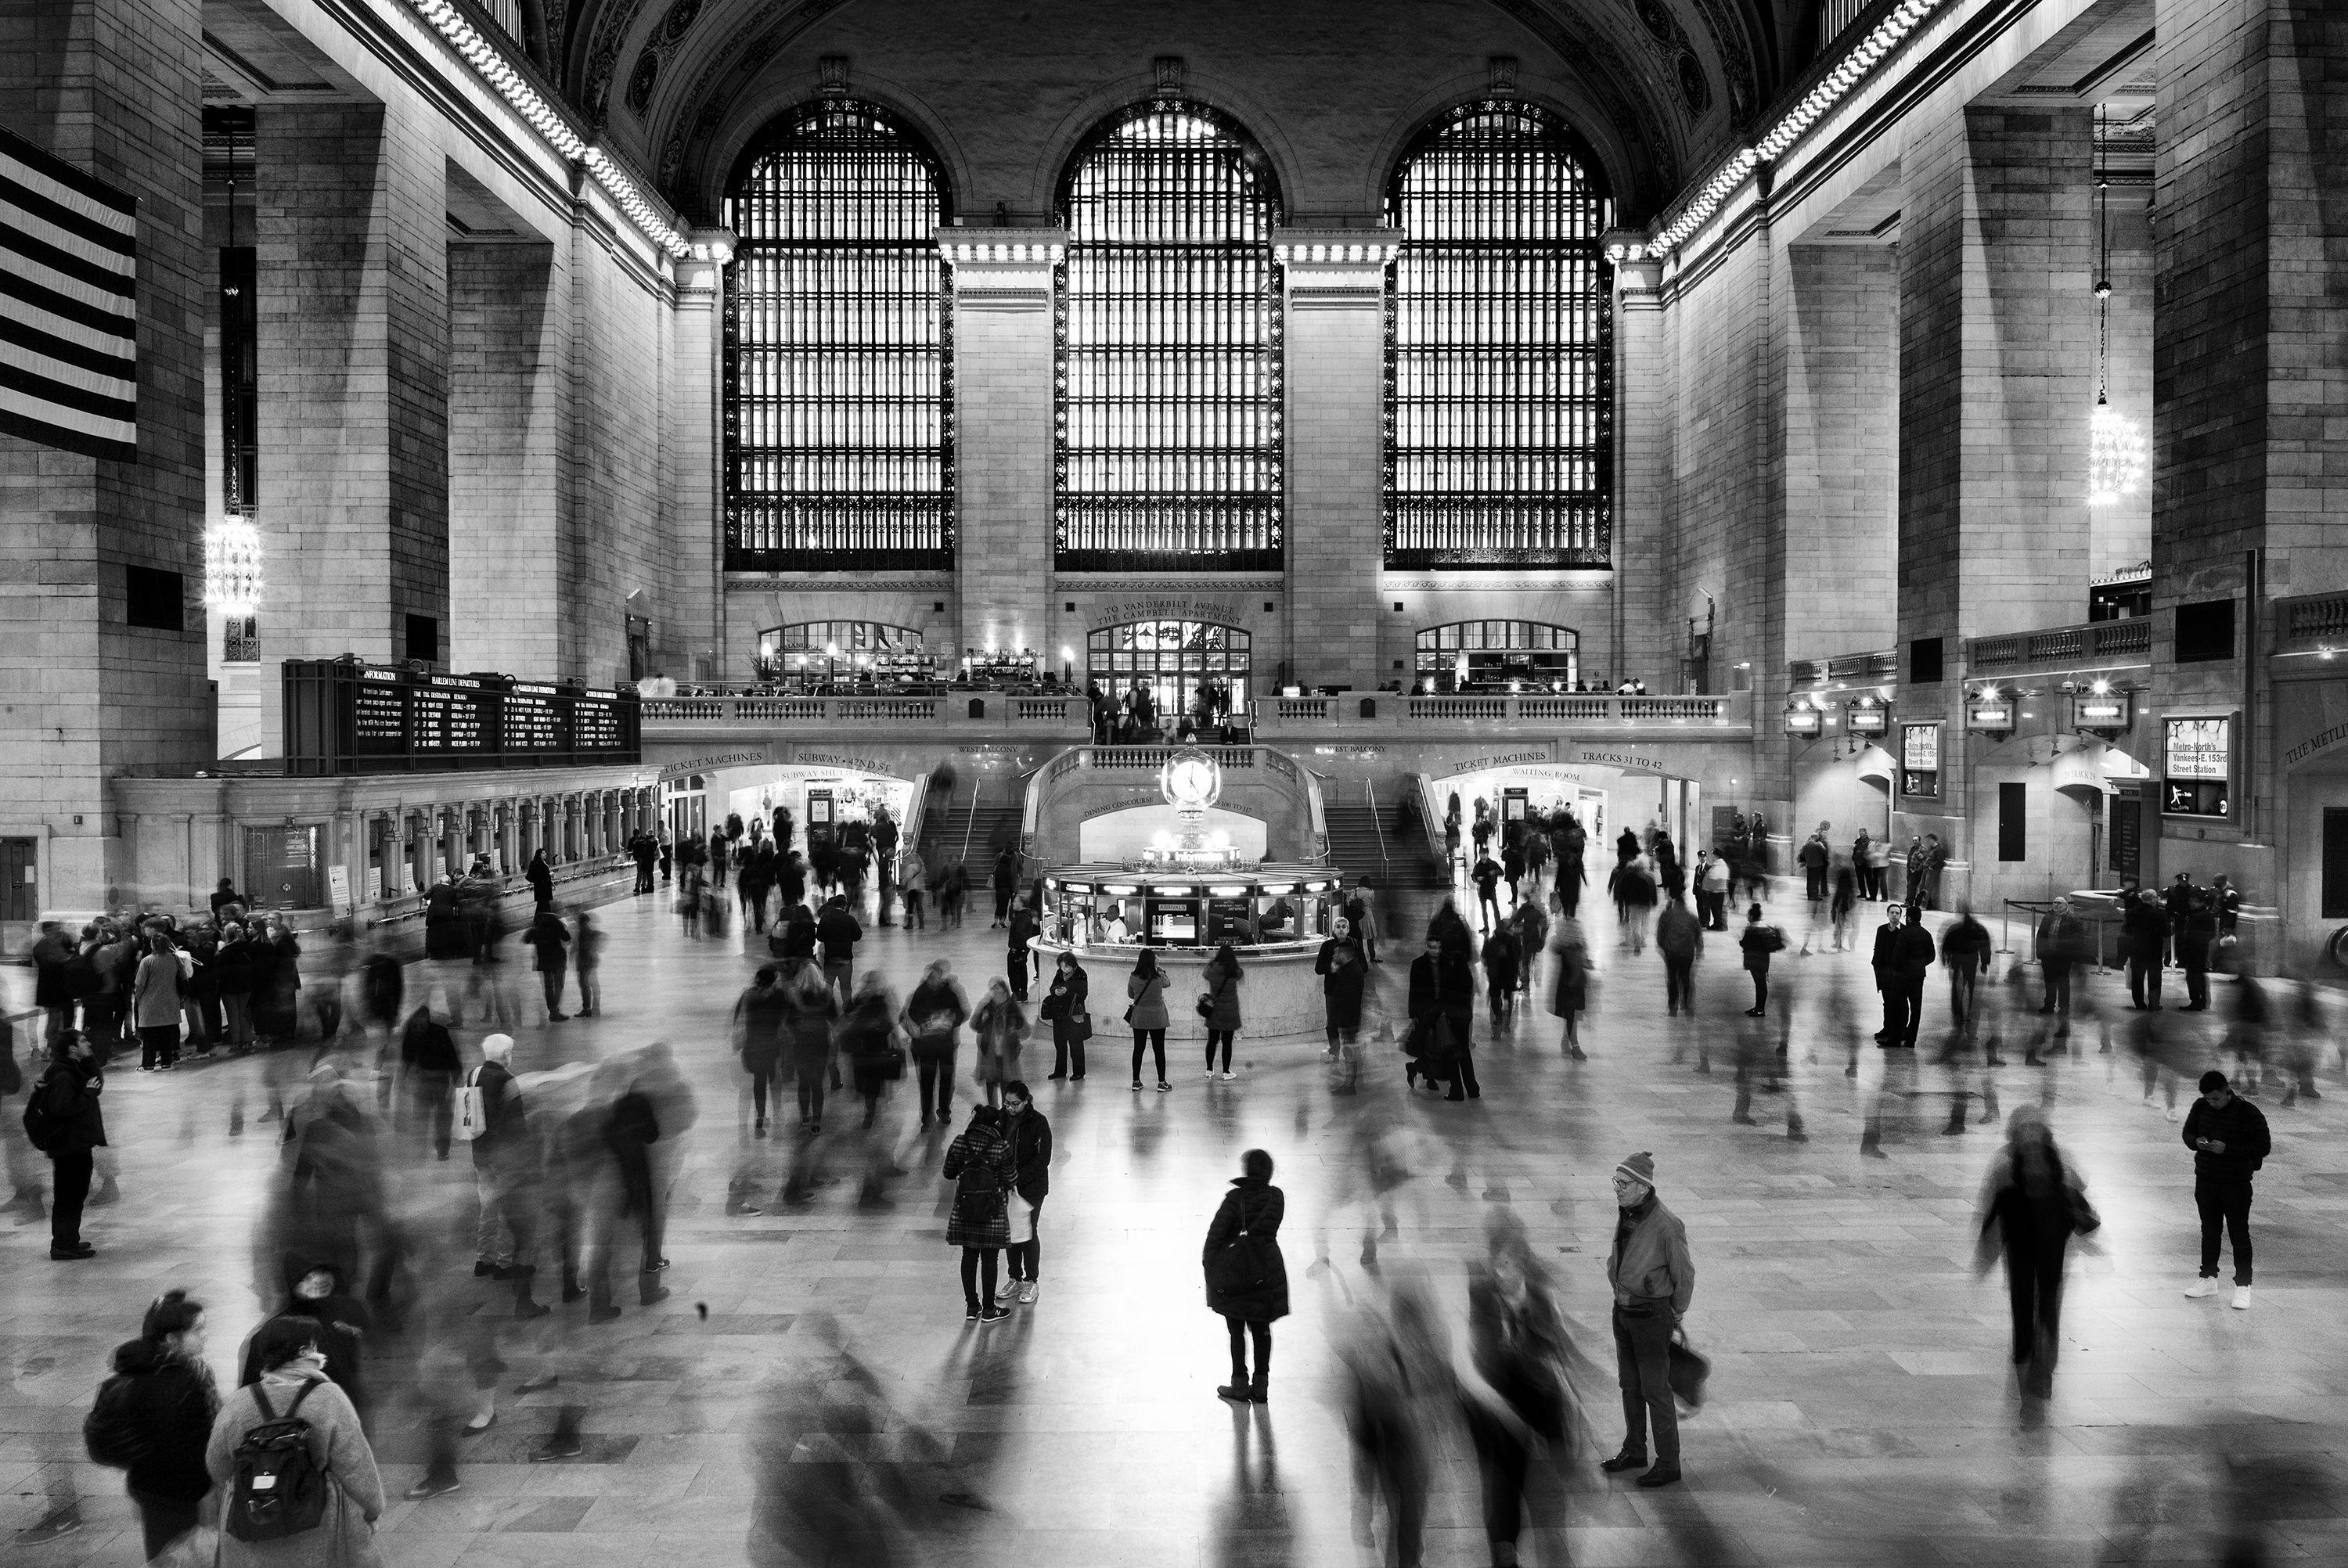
1653	1280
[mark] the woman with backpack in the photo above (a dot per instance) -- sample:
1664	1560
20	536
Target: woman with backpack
154	1416
981	1164
1146	988
1221	1006
1247	1279
63	1120
298	1481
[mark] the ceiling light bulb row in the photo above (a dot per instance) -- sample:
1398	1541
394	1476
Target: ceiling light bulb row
962	252
1379	254
490	65
1853	68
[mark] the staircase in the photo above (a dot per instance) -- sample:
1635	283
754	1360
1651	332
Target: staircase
1360	845
968	825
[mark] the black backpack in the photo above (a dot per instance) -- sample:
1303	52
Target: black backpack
112	1431
277	1489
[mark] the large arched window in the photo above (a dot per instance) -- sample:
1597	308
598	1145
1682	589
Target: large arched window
839	406
1167	387
1499	382
1171	661
831	655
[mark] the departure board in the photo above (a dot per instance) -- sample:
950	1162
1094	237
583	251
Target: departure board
342	716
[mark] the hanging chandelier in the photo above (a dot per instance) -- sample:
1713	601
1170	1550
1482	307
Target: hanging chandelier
2116	446
232	568
2115	455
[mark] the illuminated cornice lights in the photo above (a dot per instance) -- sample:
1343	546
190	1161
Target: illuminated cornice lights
969	252
232	568
549	122
2115	455
1377	253
1854	67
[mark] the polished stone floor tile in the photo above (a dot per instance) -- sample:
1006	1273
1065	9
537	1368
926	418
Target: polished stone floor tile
810	1393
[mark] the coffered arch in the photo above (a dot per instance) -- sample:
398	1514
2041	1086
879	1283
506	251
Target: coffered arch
1659	84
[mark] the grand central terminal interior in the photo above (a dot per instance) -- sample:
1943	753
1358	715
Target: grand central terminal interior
580	570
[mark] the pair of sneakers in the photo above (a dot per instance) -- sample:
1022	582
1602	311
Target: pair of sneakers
2208	1286
1023	1291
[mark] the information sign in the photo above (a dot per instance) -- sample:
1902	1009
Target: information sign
344	717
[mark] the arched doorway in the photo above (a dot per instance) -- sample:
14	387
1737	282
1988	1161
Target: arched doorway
1171	659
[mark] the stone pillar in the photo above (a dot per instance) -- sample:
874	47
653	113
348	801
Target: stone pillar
2250	198
694	620
112	89
1336	376
508	420
354	361
1996	391
1650	617
1002	433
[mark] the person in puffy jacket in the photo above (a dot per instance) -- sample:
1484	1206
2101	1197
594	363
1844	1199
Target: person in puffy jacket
1247	1281
63	1120
1222	977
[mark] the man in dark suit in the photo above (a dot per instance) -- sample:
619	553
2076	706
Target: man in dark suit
1902	953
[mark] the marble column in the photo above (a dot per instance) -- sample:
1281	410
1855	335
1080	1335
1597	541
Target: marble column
1334	283
112	89
353	349
1003	433
691	631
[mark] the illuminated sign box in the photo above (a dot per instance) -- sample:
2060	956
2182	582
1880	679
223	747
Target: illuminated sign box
1873	720
1990	716
1804	721
2197	767
2112	711
1920	760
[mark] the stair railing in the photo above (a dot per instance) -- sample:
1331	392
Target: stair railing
1378	827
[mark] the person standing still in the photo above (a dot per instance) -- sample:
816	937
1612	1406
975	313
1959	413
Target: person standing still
1030	1136
2144	930
1019	960
1758	940
2060	939
1146	989
1902	953
980	1164
1222	977
2229	1139
1247	1279
63	1120
1654	1279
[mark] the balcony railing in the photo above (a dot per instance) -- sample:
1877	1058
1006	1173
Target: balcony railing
1387	712
2315	621
2094	642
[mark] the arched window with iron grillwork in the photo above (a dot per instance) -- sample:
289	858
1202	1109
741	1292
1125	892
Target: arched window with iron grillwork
838	397
1499	387
1167	354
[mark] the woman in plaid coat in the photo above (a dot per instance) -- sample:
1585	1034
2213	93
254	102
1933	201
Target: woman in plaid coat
980	1161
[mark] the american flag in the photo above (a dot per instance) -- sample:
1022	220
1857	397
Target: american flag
69	313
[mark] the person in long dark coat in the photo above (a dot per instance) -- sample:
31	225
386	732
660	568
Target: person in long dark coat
1071	1020
1344	972
540	878
1249	1305
2032	1205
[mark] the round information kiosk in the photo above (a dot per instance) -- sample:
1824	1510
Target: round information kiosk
1187	894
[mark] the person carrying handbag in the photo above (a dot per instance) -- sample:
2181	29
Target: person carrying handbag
999	1025
981	1164
1247	1279
1071	1025
1220	1006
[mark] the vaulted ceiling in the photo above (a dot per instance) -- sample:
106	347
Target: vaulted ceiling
1669	82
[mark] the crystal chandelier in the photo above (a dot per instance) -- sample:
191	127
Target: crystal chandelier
232	568
2116	448
2115	455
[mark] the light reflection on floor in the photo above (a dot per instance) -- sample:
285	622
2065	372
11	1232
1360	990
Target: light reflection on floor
833	1407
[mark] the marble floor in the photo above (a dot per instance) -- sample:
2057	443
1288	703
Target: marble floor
810	1394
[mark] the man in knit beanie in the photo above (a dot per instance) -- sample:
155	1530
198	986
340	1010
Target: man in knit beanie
1653	1280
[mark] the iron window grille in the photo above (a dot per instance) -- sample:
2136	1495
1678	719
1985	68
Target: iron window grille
1165	410
838	364
1499	376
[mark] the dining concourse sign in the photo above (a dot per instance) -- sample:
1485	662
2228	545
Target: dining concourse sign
346	716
